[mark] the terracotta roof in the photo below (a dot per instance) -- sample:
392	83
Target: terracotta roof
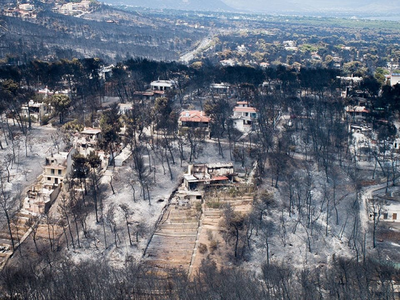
219	178
360	109
194	116
245	109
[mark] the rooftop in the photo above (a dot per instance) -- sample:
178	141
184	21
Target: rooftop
91	131
194	116
361	109
166	83
245	109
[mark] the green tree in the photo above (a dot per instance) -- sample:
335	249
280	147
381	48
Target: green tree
110	125
61	104
80	168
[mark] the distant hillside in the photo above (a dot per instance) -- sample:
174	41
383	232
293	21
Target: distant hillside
107	33
201	5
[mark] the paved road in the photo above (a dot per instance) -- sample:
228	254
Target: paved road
205	43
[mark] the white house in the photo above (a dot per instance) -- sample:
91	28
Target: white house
394	79
220	87
163	85
26	7
244	116
389	212
57	166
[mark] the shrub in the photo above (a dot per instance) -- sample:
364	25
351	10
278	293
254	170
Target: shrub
213	245
214	204
202	248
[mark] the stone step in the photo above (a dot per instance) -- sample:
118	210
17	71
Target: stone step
168	264
177	234
172	239
167	255
4	235
4	255
183	227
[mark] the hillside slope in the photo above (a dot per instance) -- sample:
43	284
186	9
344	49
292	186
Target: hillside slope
107	33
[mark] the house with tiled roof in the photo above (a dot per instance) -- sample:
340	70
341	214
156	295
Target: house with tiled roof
193	119
357	112
244	116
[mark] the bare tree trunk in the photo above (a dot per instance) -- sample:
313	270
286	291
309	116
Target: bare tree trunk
66	236
9	227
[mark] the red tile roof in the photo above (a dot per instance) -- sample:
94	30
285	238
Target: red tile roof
194	116
219	178
245	109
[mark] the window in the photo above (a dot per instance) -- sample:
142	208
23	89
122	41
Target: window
48	178
52	171
385	216
394	216
59	172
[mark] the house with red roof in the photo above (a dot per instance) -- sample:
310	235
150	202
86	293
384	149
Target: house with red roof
356	112
193	119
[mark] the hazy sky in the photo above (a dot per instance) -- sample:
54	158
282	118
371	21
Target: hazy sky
363	6
381	8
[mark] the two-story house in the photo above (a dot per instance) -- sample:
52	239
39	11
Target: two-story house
56	167
244	116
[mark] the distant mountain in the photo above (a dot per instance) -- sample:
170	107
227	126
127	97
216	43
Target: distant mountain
199	5
314	6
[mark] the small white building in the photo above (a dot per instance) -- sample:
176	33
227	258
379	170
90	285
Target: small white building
350	80
220	87
394	79
390	211
26	7
244	116
163	85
